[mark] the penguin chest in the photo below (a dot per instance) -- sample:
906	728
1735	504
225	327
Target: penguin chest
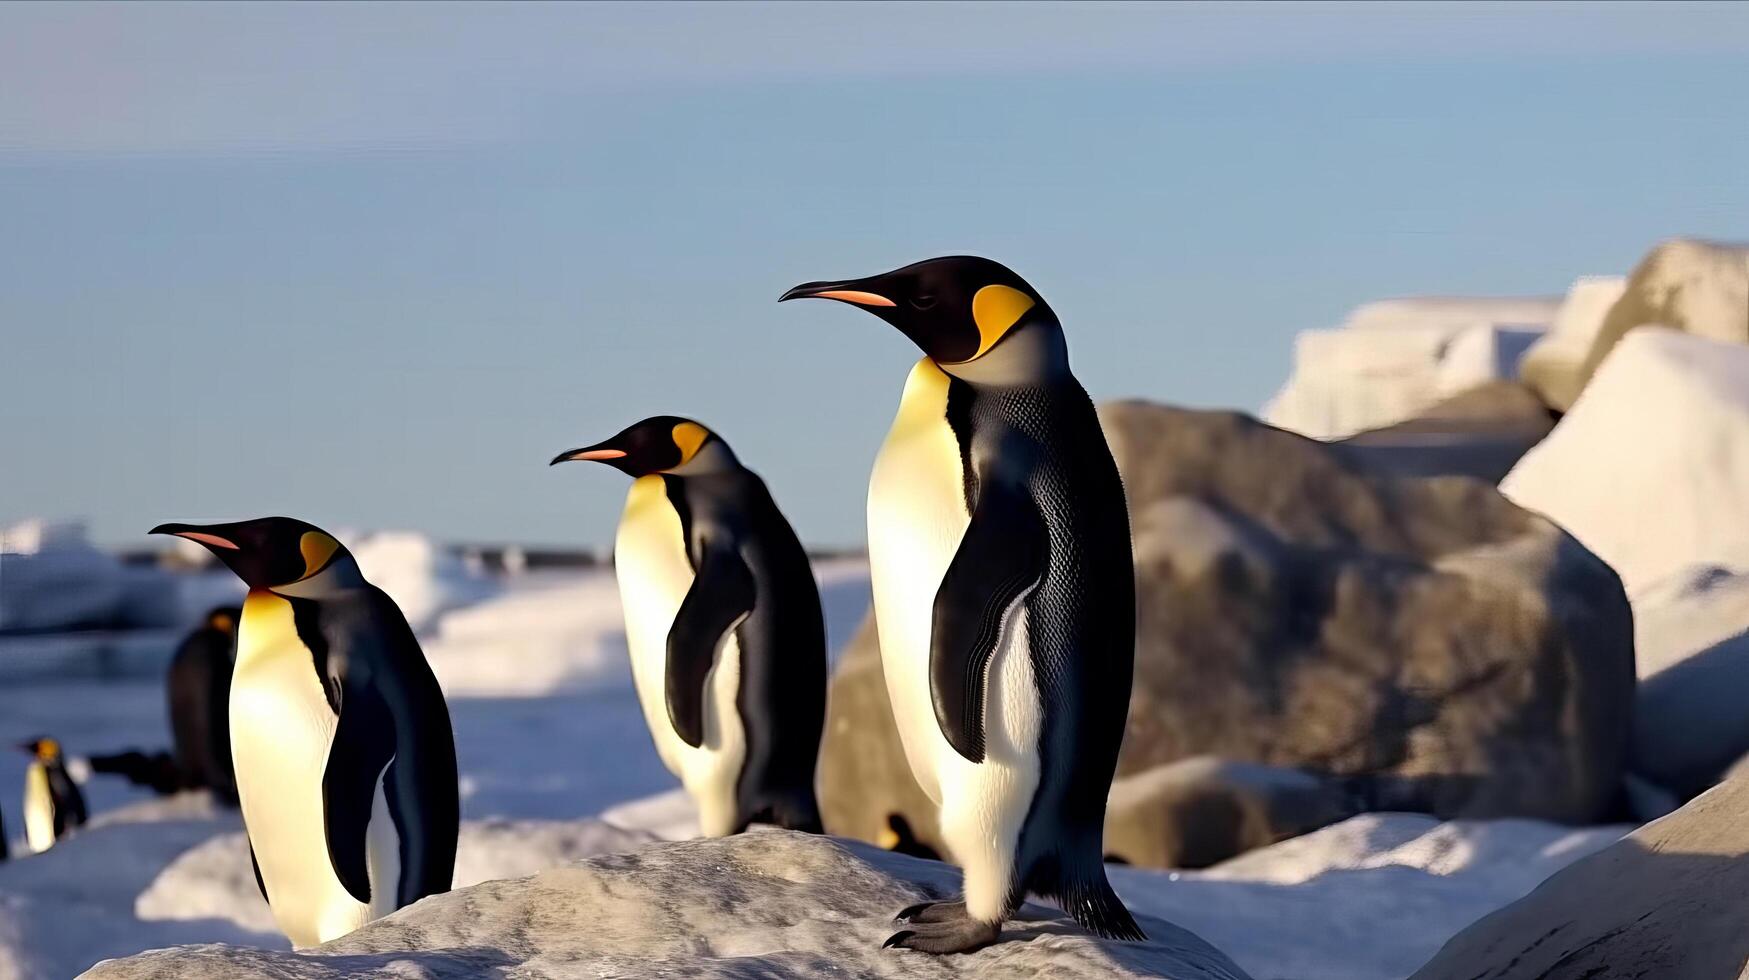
281	730
917	517
654	577
39	809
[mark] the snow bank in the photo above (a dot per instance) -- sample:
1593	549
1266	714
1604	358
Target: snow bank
51	578
1553	367
565	633
1370	898
1691	632
1393	358
423	578
1650	469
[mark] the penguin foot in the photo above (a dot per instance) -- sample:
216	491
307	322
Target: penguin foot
953	931
932	912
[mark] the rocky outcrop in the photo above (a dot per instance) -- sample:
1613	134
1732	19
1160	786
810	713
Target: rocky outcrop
1699	288
1481	433
1424	642
1198	812
1553	365
1667	902
764	904
1391	359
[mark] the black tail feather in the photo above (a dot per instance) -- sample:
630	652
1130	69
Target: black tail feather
1097	908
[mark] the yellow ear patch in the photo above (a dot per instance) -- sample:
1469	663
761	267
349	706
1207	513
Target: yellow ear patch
995	309
317	549
47	749
689	436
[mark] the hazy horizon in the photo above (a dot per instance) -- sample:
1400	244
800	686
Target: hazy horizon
373	266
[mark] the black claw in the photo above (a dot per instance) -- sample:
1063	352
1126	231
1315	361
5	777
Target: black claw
897	938
911	911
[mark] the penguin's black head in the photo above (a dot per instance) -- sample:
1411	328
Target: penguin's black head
268	552
957	308
660	444
43	747
223	619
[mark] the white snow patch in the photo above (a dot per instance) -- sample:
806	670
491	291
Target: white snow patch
423	578
1371	898
1557	357
1391	359
1650	469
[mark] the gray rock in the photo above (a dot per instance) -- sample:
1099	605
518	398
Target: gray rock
1480	433
1434	646
764	904
1196	812
1697	287
1667	902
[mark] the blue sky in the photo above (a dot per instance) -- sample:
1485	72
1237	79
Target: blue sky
373	266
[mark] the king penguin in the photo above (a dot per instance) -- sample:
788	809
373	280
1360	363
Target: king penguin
344	760
723	623
1004	595
53	804
198	687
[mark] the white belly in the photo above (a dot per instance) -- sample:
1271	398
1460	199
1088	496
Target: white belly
917	516
654	576
281	732
39	809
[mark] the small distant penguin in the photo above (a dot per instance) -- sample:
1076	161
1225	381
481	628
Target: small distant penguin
723	622
199	692
53	804
1004	594
344	759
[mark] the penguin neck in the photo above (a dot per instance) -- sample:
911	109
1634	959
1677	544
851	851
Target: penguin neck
713	457
341	577
1032	353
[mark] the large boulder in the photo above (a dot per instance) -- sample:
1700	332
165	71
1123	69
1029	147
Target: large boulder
1650	469
1391	359
768	903
1482	432
1423	641
1666	902
1552	367
1699	288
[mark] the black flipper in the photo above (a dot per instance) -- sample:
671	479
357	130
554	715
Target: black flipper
364	744
256	865
722	594
1002	555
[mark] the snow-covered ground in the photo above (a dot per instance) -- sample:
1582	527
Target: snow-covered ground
556	765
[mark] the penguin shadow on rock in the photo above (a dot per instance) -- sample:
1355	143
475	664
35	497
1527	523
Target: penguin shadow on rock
340	738
53	805
1004	595
723	625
